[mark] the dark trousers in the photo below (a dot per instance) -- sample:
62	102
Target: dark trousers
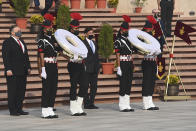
126	78
48	5
167	8
0	7
36	2
77	76
11	3
92	82
16	92
49	85
149	69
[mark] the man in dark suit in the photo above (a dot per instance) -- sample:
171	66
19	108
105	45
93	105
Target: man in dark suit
17	67
92	68
48	5
166	7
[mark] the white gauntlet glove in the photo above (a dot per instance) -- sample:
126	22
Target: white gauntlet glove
75	58
43	74
119	72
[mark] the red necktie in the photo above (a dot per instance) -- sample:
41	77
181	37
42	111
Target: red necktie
20	44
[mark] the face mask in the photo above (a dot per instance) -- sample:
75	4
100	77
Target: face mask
125	34
76	32
49	33
90	37
18	34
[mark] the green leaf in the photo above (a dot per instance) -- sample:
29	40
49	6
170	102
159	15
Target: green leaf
105	41
21	7
63	17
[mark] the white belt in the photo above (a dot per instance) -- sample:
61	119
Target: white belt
125	58
50	59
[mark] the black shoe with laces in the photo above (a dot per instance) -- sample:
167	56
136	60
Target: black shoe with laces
23	112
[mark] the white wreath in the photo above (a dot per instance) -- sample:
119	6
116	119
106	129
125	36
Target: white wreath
70	44
150	46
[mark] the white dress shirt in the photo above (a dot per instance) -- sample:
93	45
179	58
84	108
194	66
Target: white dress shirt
91	45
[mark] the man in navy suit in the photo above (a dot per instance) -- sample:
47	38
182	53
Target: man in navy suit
17	67
92	68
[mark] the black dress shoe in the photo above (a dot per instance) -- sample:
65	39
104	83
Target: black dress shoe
15	114
76	114
54	116
86	107
91	107
156	108
23	113
131	110
150	109
153	108
125	110
46	117
94	107
83	114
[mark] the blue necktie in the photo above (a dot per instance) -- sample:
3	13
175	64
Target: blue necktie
91	45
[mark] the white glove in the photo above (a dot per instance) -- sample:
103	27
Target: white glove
43	74
119	72
75	58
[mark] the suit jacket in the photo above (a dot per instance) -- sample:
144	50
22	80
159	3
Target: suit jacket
92	60
13	57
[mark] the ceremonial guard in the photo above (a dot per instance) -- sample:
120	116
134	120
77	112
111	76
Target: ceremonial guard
92	68
48	50
124	51
149	69
166	7
77	74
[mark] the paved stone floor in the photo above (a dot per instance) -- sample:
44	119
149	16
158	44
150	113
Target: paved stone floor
172	116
